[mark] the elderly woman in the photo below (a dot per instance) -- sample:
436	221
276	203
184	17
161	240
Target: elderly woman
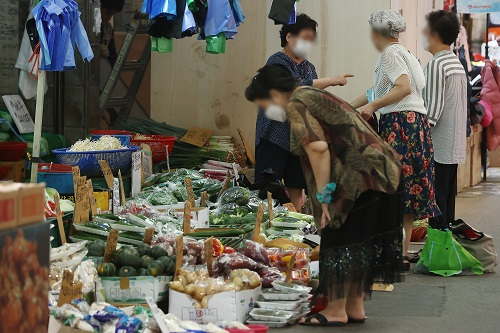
397	96
353	177
272	143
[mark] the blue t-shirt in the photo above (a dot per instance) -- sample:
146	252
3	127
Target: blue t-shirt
274	131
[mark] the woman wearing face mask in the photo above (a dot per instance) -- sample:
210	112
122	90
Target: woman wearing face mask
272	134
397	96
353	177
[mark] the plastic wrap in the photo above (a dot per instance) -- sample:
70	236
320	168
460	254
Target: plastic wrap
237	194
256	251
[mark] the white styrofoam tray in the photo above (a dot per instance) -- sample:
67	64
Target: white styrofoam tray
275	295
276	316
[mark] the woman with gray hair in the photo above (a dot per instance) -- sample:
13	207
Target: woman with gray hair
397	96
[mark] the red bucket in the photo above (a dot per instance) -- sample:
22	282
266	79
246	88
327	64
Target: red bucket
157	143
12	151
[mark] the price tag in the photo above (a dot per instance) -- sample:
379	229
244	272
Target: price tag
92	200
19	113
116	195
108	174
290	267
147	165
136	172
227	182
187	217
209	254
122	189
179	252
290	207
111	243
197	136
80	197
148	236
190	192
60	223
76	175
258	222
270	205
204	199
69	290
85	200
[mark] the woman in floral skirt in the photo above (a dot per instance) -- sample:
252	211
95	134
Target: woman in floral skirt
397	96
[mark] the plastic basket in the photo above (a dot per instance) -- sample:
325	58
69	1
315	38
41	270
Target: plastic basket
157	143
88	162
123	136
57	176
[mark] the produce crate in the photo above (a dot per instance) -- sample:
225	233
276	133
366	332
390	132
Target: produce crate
54	232
16	170
134	289
57	176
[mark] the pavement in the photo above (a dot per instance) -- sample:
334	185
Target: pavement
424	303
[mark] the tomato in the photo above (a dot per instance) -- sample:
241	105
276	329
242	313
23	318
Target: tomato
229	250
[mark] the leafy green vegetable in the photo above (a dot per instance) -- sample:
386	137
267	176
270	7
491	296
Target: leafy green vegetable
162	198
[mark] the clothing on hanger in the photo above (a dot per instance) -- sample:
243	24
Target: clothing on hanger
220	19
166	8
281	11
237	11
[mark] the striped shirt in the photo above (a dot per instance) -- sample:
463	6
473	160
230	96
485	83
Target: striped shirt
445	97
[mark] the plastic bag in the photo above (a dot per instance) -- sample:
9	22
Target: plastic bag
237	194
256	251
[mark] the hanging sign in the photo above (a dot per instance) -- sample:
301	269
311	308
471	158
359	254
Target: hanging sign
19	113
197	136
478	6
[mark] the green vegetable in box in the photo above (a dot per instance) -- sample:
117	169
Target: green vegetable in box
168	265
237	194
158	251
106	269
96	248
146	260
143	249
127	271
155	268
179	191
129	259
143	271
4	127
4	137
161	198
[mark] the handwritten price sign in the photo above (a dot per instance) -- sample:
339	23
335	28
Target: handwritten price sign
197	136
19	113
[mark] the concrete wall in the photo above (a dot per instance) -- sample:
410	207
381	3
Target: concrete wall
192	88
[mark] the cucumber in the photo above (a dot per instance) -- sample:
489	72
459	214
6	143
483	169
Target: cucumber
217	233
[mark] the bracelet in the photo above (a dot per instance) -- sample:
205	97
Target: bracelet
327	193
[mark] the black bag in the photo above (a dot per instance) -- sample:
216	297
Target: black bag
476	111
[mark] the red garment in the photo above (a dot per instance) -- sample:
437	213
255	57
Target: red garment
491	95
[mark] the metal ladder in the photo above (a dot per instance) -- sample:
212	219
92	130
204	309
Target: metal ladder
124	104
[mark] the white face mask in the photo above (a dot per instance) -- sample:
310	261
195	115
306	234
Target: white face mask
425	43
276	113
302	48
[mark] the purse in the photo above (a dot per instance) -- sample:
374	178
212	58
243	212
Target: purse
443	255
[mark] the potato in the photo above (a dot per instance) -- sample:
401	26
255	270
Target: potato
199	292
204	302
189	289
177	286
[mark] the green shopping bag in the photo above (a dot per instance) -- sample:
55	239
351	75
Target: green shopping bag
444	256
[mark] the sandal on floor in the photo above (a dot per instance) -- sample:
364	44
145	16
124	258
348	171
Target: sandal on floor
406	264
355	321
322	321
415	257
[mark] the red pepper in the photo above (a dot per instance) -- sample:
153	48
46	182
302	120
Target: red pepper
229	250
218	247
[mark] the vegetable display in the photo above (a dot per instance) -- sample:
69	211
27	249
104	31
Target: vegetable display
105	142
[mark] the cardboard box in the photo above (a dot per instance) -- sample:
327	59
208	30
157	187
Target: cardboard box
8	206
25	247
16	172
463	173
495	158
135	289
31	203
199	217
476	167
229	306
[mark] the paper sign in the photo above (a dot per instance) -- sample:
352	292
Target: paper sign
136	173
258	222
190	192
209	254
147	165
270	205
122	189
80	197
290	207
187	217
60	223
85	200
148	236
203	200
179	252
19	113
116	195
478	6
76	175
110	245
197	136
108	174
69	290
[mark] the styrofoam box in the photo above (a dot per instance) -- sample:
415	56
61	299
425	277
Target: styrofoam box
135	289
230	306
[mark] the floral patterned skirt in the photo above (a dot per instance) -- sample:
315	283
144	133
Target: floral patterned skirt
409	134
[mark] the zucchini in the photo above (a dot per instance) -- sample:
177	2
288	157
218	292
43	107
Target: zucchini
217	233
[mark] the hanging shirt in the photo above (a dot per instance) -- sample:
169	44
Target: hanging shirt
167	8
220	19
188	22
281	11
276	132
237	11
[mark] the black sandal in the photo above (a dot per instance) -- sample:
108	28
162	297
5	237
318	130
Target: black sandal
355	321
322	321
